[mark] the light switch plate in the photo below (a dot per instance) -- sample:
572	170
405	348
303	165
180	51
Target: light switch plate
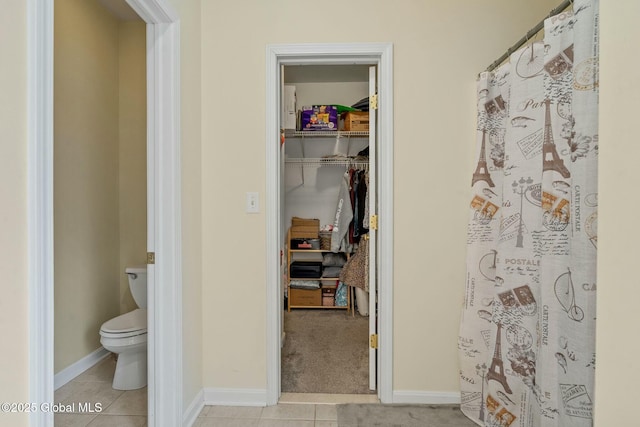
253	202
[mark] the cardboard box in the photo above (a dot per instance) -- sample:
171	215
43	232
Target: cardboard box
308	222
305	228
289	108
319	117
305	297
289	120
303	232
355	121
328	297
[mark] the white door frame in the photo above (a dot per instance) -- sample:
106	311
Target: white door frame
342	53
163	192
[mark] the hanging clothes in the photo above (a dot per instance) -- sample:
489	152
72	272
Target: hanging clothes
365	215
360	207
359	200
356	271
353	237
343	217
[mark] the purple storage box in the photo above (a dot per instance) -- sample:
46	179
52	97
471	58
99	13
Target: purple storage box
319	117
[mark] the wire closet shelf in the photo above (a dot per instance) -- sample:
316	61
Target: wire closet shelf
346	162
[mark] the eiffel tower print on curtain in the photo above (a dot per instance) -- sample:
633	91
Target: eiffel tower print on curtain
550	158
482	171
496	371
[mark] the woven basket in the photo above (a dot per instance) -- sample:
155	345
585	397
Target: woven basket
325	240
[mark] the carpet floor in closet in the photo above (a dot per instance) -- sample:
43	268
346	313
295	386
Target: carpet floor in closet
325	351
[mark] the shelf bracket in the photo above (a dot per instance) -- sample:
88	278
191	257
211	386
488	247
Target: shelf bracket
302	147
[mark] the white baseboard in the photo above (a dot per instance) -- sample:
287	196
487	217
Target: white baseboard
426	397
75	369
193	410
235	397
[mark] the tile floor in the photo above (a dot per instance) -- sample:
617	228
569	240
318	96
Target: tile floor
118	408
281	415
129	408
294	410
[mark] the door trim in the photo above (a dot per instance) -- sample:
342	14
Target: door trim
340	53
163	192
40	205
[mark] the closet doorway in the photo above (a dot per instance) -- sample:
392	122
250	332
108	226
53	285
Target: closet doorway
307	174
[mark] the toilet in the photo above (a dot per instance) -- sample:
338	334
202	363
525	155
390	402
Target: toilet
126	335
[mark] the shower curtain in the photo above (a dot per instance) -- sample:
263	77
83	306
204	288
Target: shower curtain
527	333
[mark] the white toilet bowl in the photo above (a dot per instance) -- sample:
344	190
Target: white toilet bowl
126	335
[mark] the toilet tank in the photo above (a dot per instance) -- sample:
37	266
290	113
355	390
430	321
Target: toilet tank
138	284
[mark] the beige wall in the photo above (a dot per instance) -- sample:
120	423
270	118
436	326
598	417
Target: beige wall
85	177
14	313
242	290
99	171
617	348
132	163
437	54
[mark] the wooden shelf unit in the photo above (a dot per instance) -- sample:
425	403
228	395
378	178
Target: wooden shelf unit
310	298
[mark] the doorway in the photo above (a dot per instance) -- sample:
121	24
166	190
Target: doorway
163	201
100	203
379	56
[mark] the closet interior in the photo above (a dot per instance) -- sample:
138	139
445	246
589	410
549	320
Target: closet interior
325	216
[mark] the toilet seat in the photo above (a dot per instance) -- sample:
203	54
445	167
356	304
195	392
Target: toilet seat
126	325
